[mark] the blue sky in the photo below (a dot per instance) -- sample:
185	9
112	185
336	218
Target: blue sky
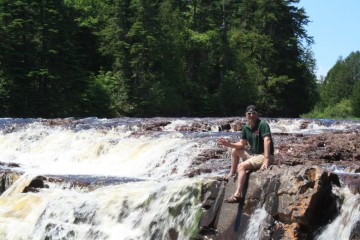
335	27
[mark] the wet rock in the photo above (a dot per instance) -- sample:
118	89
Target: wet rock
337	148
13	165
237	125
211	203
215	153
58	121
194	127
10	129
9	165
224	125
155	126
173	234
35	184
198	171
297	202
210	155
210	160
355	233
87	183
304	196
7	178
304	124
352	181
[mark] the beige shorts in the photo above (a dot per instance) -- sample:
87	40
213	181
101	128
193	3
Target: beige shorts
257	160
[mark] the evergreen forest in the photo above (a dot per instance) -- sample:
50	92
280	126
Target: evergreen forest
169	58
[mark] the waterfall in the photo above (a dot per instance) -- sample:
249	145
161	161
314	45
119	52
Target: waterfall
349	215
158	203
114	151
256	224
134	210
138	175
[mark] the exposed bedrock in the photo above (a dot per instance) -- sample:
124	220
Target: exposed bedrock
290	202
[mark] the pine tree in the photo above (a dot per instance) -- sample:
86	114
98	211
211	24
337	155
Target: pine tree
270	34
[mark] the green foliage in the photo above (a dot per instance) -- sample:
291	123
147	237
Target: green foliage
355	100
340	88
270	38
43	58
340	81
154	58
341	110
4	94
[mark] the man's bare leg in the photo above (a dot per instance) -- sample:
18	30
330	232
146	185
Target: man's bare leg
236	154
242	169
241	178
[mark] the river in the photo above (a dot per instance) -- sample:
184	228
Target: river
135	170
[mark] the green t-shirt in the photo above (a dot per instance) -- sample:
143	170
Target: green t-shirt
255	136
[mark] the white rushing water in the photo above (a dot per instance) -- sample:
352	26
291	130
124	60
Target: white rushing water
256	224
113	152
349	215
136	210
164	202
160	201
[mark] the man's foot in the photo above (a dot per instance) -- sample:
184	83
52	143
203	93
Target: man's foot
226	177
230	175
233	199
222	178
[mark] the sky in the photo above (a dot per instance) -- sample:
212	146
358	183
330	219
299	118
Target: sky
335	28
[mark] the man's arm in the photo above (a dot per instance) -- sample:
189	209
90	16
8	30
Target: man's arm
238	145
266	152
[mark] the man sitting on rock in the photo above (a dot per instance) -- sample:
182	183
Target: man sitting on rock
257	133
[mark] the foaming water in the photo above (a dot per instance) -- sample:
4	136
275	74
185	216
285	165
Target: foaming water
120	147
310	126
18	188
256	224
164	203
114	152
136	210
349	216
141	163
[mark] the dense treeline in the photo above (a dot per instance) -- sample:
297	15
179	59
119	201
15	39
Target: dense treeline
340	90
145	58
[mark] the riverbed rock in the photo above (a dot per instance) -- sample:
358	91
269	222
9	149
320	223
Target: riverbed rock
295	194
352	181
7	178
212	202
35	184
326	149
295	202
320	148
355	233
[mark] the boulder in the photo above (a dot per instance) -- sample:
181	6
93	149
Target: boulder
355	233
35	184
7	178
351	180
288	202
212	202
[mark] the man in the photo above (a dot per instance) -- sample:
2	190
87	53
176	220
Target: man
256	133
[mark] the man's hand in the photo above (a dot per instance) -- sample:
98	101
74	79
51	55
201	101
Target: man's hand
224	142
265	165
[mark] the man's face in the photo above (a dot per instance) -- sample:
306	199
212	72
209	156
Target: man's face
251	117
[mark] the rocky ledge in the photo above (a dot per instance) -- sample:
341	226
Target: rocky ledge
297	201
295	196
